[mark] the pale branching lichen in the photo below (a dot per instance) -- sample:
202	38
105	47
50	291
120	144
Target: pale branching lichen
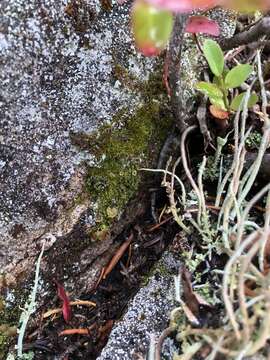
253	141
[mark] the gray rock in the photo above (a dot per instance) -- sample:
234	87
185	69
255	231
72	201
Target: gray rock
148	313
57	78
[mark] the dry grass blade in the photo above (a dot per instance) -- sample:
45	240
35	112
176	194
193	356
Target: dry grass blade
80	331
117	256
72	303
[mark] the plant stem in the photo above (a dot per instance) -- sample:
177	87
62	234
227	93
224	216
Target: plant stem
174	60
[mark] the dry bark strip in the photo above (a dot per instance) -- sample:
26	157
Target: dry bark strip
117	256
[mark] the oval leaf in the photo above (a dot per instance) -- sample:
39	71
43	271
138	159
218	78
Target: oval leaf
238	75
209	89
214	56
218	113
218	102
201	24
151	26
238	101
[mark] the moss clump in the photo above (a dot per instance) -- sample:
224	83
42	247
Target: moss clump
160	269
4	343
129	81
9	317
253	141
120	149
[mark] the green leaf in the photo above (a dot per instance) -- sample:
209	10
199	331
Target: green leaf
214	56
151	27
209	89
217	101
237	101
217	81
238	75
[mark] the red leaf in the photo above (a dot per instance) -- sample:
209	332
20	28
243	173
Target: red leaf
201	24
149	50
66	303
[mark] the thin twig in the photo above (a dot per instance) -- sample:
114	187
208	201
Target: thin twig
117	256
260	76
160	341
226	280
201	117
187	171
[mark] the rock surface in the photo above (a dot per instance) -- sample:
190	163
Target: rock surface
56	70
148	313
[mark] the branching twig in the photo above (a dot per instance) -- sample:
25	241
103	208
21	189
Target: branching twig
246	37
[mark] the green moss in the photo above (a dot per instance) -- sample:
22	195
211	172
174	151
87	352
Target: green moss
254	140
9	317
131	140
120	149
4	343
10	312
129	81
154	87
159	269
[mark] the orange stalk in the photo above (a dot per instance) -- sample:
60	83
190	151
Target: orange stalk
117	256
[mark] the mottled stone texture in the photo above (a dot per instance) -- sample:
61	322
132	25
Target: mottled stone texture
148	313
57	78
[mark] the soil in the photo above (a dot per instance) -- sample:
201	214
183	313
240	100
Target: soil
111	295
